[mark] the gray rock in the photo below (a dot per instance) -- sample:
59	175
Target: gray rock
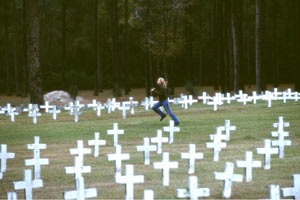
58	95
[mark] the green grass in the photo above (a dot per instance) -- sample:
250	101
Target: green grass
253	122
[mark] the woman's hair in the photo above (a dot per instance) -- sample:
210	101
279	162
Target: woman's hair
163	82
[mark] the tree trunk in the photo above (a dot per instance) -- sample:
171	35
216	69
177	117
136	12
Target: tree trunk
274	42
63	43
6	53
236	39
15	47
126	49
258	46
36	94
25	58
297	81
115	63
98	87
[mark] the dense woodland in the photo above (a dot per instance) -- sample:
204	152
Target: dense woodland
121	44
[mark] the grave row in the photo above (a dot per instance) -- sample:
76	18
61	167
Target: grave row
165	165
76	109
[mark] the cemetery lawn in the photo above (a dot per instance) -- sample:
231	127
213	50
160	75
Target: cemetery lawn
253	122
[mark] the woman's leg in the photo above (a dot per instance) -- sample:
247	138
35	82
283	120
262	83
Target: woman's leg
167	108
157	110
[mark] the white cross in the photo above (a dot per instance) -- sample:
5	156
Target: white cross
269	97
130	179
108	105
191	100
54	111
293	191
28	184
152	101
281	124
192	156
218	134
80	151
132	104
96	142
248	164
184	102
281	143
274	192
148	195
29	109
97	106
4	156
146	103
80	193
34	113
228	98
115	132
276	93
36	161
12	112
146	148
159	139
227	128
217	145
267	150
255	97
194	192
216	102
78	168
243	98
165	165
46	106
118	157
75	110
228	178
124	108
204	97
114	105
171	129
11	196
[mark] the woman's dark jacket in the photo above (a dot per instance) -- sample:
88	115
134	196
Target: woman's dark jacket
161	92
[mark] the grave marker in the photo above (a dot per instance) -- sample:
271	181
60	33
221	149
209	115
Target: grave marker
228	178
159	140
28	184
115	132
130	179
78	169
11	196
146	148
204	97
118	157
123	108
54	111
148	195
165	165
217	145
36	161
267	150
80	151
46	106
248	164
274	192
96	143
193	192
227	128
171	129
80	192
192	156
216	102
34	113
293	191
4	155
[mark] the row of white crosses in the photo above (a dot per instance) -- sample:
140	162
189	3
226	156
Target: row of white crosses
28	184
